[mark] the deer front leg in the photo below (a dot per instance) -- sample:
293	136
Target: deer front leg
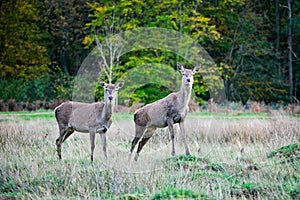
105	127
103	138
171	130
183	135
92	140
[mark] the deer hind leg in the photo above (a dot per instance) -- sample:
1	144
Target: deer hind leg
69	132
64	133
183	135
147	135
171	130
139	131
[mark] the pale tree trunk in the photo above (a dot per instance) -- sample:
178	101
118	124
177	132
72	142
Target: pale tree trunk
290	50
110	51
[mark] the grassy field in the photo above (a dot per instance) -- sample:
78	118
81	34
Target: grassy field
235	156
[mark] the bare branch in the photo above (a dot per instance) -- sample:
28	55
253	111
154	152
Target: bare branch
291	50
104	68
283	6
100	48
110	48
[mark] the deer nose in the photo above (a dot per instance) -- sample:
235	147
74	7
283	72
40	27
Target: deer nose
188	80
110	98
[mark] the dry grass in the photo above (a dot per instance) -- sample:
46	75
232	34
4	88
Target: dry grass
229	161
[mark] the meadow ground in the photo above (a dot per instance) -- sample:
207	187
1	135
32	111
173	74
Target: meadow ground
235	156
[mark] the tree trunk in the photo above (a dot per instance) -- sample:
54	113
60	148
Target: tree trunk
277	25
290	59
277	40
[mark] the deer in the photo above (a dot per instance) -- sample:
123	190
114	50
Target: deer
89	118
165	112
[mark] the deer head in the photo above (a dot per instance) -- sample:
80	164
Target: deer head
111	90
187	74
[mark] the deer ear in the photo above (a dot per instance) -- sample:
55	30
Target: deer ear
180	67
103	84
120	84
196	69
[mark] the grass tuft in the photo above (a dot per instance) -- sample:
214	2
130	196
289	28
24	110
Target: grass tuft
178	194
286	151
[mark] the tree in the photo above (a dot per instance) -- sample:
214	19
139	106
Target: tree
110	51
63	23
24	61
182	16
290	50
246	52
21	54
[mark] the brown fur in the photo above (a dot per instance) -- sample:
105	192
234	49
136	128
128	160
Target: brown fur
63	113
141	118
89	118
165	112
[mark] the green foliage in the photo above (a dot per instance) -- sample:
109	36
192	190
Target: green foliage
149	93
238	41
25	90
181	16
22	57
248	54
53	86
138	81
63	26
62	86
246	39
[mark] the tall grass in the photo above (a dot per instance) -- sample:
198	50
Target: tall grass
230	161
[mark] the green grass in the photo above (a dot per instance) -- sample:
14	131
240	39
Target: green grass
174	193
250	158
26	115
48	114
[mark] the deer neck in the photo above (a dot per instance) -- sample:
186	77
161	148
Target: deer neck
108	109
184	95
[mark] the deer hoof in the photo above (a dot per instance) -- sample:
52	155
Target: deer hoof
136	157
